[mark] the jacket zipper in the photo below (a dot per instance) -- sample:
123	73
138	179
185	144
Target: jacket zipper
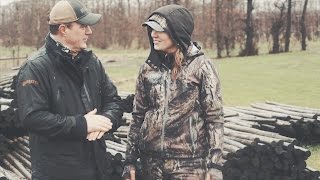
192	135
167	82
86	70
87	93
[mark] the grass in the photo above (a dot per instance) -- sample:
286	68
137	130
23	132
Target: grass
291	78
314	160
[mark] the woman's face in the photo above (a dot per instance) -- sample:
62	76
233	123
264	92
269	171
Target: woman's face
163	42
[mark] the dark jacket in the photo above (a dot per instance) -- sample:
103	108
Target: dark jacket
54	93
181	118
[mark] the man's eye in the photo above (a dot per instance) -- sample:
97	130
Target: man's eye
83	26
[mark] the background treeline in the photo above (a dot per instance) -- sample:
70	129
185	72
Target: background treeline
226	26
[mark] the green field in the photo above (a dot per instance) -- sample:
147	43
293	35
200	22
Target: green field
292	78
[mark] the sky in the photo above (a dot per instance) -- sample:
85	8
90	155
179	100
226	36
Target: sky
4	2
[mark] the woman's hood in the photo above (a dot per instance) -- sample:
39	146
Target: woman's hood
179	23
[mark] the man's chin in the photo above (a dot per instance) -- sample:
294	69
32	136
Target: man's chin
83	47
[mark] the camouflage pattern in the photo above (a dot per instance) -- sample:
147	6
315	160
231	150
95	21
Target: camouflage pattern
180	118
173	169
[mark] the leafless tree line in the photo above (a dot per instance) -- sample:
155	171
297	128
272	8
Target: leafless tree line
222	25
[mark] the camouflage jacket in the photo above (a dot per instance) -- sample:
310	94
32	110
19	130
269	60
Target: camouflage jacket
177	119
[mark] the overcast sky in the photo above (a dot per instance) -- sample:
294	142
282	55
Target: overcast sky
4	2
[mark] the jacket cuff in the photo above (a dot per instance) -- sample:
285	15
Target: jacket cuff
80	127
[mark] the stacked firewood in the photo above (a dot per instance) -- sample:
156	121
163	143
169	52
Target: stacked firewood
250	153
8	108
15	158
299	122
273	161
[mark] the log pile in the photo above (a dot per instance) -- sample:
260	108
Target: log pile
259	160
260	141
15	155
298	122
16	161
254	154
9	123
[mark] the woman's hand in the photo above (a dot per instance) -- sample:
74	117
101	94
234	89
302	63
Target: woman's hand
129	172
214	174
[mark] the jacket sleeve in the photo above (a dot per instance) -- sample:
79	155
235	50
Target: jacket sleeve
211	102
139	110
111	101
33	96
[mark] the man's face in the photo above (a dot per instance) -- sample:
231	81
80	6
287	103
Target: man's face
76	36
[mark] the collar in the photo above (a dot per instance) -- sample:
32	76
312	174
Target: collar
155	58
60	45
57	49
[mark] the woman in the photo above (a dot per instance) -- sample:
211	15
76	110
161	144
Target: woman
177	127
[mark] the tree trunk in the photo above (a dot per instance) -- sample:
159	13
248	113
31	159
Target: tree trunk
276	29
203	20
303	27
249	30
218	28
288	30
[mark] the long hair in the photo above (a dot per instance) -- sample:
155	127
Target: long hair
178	58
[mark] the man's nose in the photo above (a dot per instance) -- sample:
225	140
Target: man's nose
88	30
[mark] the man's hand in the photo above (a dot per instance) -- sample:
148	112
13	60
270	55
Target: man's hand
214	174
95	135
97	123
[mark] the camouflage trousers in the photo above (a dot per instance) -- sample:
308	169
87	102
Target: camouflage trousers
174	169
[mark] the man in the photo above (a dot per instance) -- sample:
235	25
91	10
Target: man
66	101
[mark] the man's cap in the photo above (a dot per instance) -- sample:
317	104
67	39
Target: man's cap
156	22
67	11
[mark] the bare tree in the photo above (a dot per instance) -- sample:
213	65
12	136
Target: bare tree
106	29
250	49
203	20
219	24
288	29
303	27
277	27
218	19
173	1
18	29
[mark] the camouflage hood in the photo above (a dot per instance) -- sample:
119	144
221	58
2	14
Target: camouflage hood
179	26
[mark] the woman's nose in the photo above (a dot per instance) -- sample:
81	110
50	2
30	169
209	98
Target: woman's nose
154	33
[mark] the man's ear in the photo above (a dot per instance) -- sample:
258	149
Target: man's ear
62	29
